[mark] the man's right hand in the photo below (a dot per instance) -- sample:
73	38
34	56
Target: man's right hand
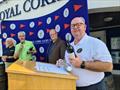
21	46
17	53
4	58
60	63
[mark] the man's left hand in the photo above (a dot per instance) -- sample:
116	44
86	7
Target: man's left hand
76	62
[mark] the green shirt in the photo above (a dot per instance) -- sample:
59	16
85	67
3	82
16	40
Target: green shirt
24	56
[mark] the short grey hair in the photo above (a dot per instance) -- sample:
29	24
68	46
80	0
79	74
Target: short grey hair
53	30
13	40
81	19
21	32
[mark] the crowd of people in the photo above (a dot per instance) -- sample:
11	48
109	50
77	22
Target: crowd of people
88	65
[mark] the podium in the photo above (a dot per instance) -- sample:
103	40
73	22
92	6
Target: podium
23	76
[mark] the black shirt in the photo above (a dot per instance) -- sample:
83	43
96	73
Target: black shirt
9	52
56	51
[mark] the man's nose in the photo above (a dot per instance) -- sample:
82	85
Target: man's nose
75	26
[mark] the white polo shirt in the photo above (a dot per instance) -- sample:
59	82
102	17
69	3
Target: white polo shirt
92	49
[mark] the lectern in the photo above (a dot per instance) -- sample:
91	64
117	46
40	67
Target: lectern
22	75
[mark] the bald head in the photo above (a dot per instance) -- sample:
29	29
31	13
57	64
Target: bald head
78	20
78	28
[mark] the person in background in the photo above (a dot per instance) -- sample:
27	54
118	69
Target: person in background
24	49
8	52
8	59
90	64
56	49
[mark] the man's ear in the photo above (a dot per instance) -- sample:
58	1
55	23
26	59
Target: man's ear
85	27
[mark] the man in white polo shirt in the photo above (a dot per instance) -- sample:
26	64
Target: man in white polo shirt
89	64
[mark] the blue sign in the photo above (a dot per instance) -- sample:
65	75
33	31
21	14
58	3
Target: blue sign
37	29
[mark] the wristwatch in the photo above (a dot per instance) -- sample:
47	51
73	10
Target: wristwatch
82	65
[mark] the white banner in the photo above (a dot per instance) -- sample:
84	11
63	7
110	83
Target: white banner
28	9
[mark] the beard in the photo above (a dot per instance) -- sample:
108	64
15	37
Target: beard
22	41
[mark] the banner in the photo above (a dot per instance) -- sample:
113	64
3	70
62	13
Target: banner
0	41
37	29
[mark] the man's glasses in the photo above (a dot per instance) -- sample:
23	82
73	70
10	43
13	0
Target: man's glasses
76	25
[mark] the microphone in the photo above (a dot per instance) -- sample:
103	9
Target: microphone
22	42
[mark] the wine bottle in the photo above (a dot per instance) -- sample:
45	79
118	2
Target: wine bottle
70	50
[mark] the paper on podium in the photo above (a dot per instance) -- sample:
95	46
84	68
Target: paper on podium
44	67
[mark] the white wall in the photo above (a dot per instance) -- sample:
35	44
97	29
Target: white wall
102	3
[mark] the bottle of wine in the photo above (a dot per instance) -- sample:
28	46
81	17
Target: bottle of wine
70	50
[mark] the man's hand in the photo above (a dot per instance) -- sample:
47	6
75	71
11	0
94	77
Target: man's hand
76	62
21	46
60	63
17	53
4	58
